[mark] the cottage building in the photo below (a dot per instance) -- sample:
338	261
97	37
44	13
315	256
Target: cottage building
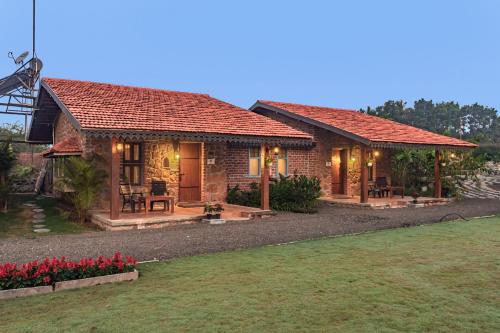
351	149
197	144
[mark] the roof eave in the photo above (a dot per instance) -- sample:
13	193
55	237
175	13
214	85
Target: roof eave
126	134
311	122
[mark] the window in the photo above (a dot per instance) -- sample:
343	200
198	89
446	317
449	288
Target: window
132	163
59	167
282	163
254	162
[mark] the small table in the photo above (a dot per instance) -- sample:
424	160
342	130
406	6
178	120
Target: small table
154	198
399	188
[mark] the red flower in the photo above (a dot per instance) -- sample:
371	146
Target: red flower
46	279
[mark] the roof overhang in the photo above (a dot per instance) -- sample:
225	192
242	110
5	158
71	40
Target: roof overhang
374	144
48	107
197	136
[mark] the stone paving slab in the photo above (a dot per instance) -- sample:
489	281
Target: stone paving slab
39	216
35	221
38	210
39	226
41	230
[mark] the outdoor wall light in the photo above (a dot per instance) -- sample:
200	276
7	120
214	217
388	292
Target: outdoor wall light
376	153
369	164
353	159
177	156
276	150
119	147
452	155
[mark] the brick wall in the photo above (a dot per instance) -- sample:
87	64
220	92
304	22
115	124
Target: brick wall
63	128
319	158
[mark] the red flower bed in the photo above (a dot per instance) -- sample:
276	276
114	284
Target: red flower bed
50	271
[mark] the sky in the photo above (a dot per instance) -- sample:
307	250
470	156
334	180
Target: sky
347	54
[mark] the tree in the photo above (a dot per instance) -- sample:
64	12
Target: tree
470	122
7	160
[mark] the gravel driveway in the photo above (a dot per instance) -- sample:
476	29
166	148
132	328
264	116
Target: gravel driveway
195	239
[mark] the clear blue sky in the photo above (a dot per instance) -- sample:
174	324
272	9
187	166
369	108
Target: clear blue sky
347	54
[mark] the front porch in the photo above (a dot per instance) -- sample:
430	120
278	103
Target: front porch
181	215
382	203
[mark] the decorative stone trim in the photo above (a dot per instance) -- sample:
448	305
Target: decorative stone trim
70	284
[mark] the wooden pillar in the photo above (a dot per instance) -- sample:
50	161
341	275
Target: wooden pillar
115	181
364	174
264	179
437	175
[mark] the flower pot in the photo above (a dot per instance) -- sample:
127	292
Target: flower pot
216	216
209	216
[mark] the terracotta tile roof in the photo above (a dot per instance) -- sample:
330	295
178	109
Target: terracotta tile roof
372	128
69	146
115	107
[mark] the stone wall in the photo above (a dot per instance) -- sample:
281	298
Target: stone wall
160	164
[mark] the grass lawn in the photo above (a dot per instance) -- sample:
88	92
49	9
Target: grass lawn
17	221
438	278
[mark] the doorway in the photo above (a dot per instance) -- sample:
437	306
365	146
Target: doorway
339	170
189	172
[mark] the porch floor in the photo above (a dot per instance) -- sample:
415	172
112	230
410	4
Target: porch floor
159	218
380	203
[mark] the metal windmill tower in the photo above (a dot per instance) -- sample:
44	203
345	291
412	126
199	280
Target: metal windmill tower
18	91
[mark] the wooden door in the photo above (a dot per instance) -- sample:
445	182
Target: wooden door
338	171
190	172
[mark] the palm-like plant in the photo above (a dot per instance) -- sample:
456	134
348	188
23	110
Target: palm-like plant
85	179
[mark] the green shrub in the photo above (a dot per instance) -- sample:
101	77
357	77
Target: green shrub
250	198
297	194
85	179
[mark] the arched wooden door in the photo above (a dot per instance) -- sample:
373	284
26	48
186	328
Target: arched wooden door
190	172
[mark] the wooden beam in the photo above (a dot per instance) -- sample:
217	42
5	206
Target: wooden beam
437	175
114	180
264	179
364	174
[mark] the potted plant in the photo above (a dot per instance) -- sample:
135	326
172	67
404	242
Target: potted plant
213	211
268	161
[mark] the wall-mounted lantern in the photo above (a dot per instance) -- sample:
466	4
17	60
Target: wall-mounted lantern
119	147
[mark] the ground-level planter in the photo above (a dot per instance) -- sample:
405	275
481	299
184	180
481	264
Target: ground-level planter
94	281
22	292
70	284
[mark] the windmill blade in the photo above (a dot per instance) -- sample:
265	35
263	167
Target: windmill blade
21	57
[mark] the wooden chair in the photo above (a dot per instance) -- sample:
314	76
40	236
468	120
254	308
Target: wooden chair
131	198
372	188
383	186
159	193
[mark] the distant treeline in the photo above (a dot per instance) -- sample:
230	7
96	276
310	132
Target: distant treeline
477	123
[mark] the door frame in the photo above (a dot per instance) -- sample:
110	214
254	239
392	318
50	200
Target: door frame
343	168
200	169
